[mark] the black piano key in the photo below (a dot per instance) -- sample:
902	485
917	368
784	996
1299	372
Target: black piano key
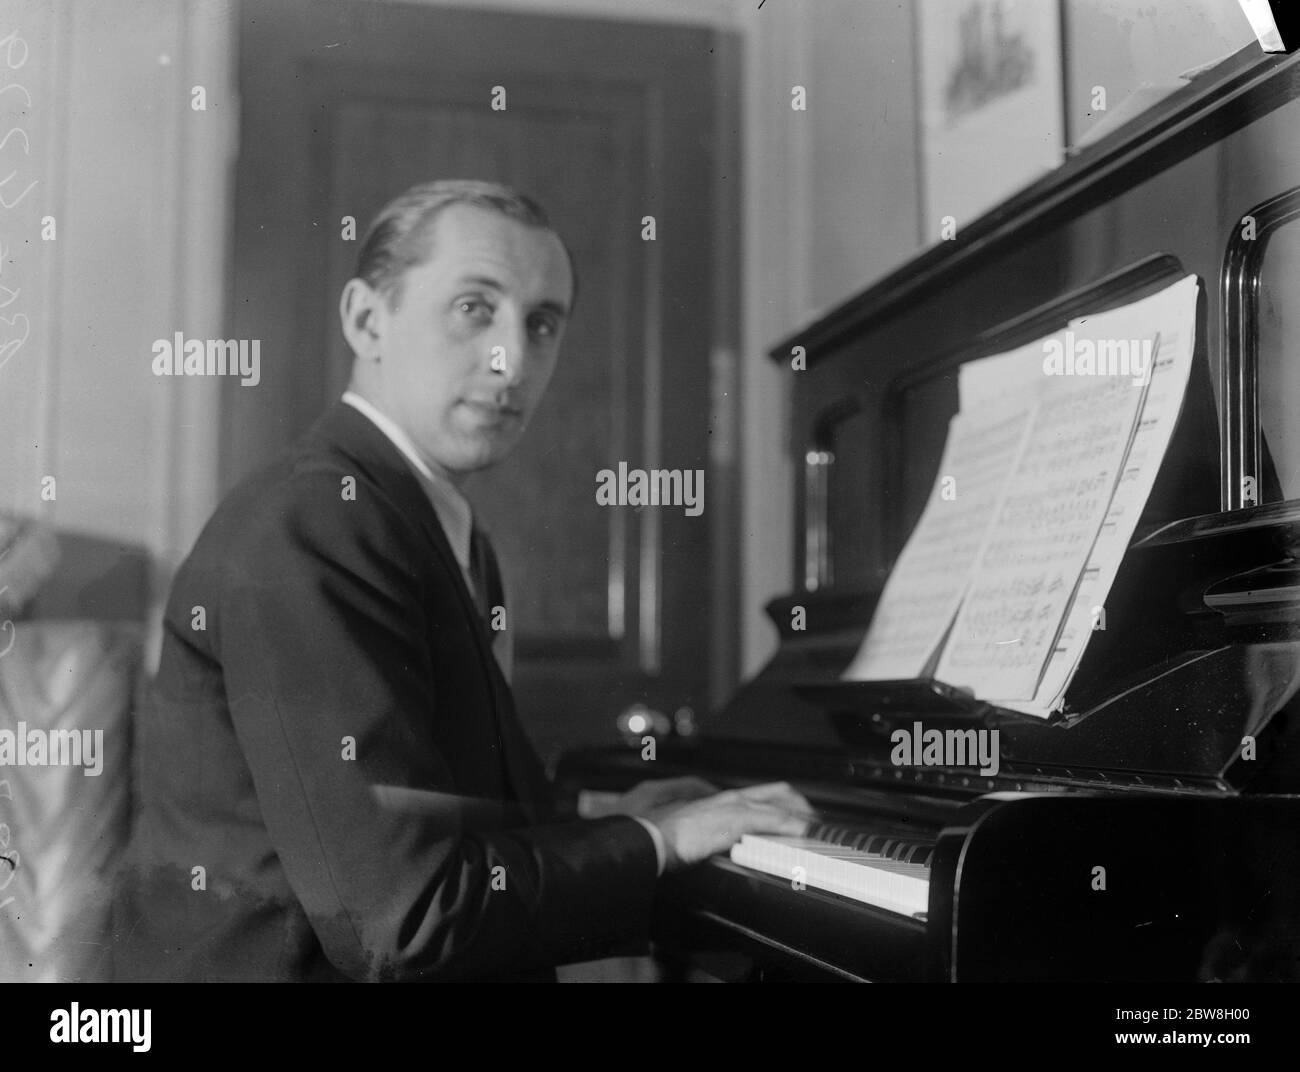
919	854
872	843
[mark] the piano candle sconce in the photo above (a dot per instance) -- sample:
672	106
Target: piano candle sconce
817	572
819	461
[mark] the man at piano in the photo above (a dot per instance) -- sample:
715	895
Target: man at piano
335	784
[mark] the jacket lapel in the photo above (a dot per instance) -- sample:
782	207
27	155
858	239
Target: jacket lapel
351	432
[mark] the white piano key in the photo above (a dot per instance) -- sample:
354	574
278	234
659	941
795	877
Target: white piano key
882	882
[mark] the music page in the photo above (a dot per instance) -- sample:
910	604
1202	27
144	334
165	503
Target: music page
1170	314
930	576
1042	533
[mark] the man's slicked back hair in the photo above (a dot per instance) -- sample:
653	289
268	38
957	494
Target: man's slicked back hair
400	236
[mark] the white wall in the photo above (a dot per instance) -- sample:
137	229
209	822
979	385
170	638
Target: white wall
137	184
830	207
1121	45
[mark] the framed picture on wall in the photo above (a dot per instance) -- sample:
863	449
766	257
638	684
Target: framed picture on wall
992	104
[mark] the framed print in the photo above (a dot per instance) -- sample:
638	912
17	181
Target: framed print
992	113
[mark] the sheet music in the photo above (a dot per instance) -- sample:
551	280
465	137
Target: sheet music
1172	315
1000	381
1052	474
926	584
1042	534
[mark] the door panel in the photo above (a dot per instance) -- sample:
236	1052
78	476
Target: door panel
347	104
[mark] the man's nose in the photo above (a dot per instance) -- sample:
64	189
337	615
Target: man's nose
507	354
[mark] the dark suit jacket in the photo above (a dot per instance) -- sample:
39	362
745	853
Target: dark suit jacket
317	648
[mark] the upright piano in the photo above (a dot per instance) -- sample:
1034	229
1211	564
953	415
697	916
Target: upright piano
1151	829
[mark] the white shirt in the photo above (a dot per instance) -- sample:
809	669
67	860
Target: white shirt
453	509
457	520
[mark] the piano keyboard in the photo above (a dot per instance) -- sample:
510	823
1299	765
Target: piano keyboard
883	870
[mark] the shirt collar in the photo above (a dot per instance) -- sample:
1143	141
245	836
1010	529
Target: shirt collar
452	508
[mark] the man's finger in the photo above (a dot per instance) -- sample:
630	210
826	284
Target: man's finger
780	793
689	788
768	819
766	790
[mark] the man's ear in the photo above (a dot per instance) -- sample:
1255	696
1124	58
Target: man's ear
360	314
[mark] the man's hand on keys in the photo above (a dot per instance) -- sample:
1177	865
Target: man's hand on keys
699	828
649	796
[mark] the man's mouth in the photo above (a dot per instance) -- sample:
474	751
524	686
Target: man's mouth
493	411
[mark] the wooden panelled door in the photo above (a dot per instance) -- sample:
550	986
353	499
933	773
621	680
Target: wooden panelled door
344	105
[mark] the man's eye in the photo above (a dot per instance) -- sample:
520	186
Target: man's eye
475	308
544	327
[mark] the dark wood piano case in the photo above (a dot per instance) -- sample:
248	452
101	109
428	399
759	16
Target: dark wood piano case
1143	775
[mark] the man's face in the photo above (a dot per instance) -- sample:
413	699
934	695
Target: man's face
467	352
